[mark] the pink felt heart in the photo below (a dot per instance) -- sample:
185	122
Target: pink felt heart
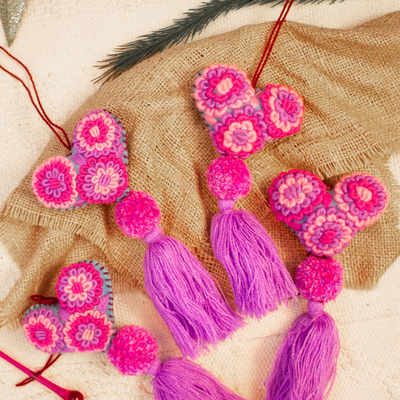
240	119
324	220
83	321
94	172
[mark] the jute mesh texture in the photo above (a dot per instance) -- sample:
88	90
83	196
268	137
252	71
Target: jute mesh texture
348	79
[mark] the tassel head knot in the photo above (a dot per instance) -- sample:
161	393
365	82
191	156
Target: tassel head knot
226	206
315	308
153	236
155	367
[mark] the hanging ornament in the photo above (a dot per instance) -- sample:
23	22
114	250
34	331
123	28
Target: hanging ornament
241	120
11	14
184	293
82	322
326	222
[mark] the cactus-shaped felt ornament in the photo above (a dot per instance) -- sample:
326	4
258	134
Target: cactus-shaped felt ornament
325	221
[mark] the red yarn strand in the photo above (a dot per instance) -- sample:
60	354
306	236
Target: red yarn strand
271	41
43	299
48	364
40	110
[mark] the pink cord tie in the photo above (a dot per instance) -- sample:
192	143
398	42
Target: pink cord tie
153	236
154	368
226	206
315	308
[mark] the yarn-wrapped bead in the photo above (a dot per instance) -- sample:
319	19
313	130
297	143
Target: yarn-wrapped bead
137	214
229	178
319	279
133	350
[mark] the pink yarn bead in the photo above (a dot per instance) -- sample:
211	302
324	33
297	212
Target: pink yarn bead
137	214
133	350
320	279
229	178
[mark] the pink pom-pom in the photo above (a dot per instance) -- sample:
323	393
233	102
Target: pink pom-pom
320	279
229	178
133	350
137	214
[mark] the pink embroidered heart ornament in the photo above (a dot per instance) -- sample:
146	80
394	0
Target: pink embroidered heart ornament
241	119
325	220
83	320
94	172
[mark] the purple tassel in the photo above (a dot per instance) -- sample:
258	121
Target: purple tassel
180	379
186	296
259	279
305	365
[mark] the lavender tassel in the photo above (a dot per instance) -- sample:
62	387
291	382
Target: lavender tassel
186	296
259	279
180	379
305	365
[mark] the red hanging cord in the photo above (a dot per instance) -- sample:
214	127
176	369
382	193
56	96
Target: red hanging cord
40	110
48	364
37	298
271	41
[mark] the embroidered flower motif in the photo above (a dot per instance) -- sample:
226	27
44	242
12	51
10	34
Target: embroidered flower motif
220	86
102	180
43	330
97	134
241	133
54	183
284	110
295	194
326	232
362	197
79	287
88	332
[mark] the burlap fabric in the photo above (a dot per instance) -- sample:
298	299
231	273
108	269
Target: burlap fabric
348	79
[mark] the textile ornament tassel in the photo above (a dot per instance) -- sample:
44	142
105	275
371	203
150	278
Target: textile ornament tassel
241	121
185	295
325	221
83	321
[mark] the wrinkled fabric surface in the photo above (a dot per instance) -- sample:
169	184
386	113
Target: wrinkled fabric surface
368	321
350	124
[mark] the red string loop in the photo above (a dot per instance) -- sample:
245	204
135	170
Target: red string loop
48	364
271	41
44	300
39	108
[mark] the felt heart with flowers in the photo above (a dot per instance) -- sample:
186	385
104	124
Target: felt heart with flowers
94	172
325	220
82	320
241	119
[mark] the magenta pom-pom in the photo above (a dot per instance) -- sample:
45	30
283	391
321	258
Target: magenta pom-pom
133	350
320	279
137	214
229	178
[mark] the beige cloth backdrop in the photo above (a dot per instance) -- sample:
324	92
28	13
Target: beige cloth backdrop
351	124
248	383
